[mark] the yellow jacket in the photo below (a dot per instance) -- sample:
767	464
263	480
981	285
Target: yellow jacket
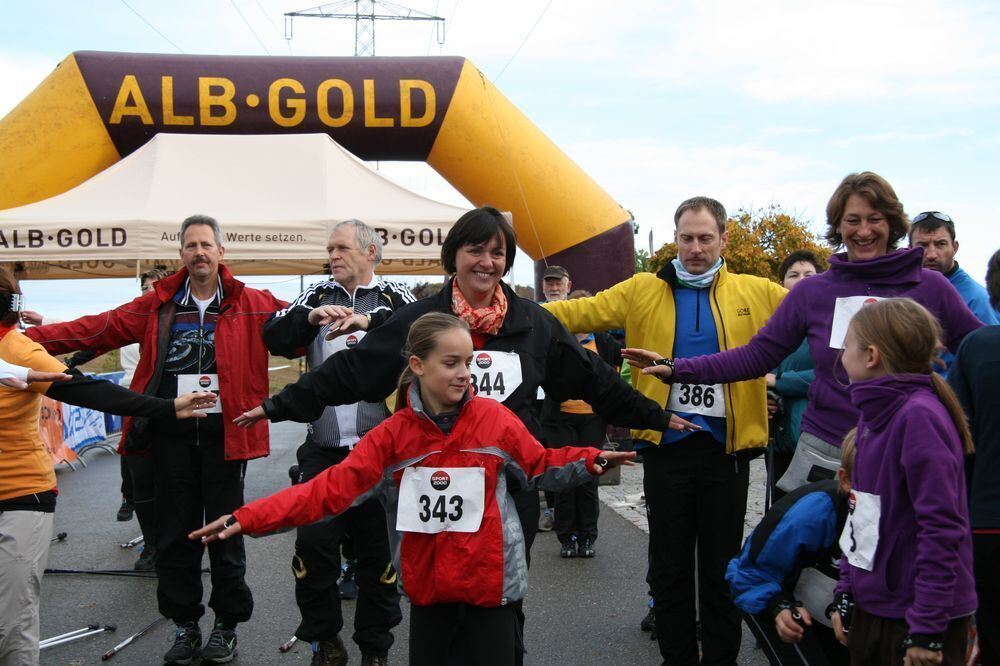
644	306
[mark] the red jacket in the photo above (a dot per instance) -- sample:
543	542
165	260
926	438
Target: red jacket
485	567
241	357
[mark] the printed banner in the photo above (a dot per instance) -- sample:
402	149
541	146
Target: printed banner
50	428
82	426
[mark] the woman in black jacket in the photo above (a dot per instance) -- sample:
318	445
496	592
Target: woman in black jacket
519	347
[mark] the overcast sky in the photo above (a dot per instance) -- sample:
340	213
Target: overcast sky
750	102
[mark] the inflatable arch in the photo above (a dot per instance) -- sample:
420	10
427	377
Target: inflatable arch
97	107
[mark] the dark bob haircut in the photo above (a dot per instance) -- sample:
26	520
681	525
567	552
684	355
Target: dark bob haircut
476	227
795	257
879	194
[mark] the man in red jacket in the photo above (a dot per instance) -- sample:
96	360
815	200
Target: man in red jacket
199	466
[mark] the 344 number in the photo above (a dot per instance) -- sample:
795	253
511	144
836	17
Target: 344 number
486	385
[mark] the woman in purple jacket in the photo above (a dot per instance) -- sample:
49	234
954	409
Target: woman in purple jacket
864	216
907	548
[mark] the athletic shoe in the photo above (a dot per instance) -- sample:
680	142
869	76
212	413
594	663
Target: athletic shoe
187	640
221	645
147	559
329	653
586	547
125	511
348	585
568	549
546	520
649	622
374	660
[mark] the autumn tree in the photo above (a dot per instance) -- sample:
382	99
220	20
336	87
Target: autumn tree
759	240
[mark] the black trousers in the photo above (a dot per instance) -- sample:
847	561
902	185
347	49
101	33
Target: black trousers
986	551
316	566
696	494
460	634
577	509
818	647
877	641
196	485
139	480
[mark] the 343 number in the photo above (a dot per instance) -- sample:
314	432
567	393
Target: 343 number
439	510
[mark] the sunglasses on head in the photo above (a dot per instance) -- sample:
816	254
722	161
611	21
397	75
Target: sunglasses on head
931	213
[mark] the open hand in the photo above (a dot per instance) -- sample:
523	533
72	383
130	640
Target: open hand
34	376
247	419
677	423
216	530
328	314
614	458
640	358
349	324
186	406
31	318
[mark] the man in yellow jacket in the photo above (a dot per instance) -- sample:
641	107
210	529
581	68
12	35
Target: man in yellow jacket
695	482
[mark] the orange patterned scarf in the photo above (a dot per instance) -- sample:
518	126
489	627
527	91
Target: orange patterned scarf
486	320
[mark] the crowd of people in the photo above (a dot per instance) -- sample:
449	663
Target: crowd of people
434	424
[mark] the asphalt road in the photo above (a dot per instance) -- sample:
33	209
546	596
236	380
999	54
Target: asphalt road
579	611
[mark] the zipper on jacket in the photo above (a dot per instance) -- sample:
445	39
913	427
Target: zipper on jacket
731	411
697	311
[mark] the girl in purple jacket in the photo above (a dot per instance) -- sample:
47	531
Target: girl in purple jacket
906	588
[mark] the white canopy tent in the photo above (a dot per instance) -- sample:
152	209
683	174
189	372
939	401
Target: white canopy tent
276	196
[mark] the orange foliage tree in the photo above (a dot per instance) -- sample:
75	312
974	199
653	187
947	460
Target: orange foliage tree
759	240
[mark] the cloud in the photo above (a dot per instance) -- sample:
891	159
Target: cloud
651	177
897	136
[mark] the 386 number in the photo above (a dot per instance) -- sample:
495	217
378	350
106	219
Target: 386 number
697	395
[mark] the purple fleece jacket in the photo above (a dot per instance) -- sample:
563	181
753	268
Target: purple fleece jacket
807	313
910	455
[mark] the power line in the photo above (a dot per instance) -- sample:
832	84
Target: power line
143	19
250	27
523	42
430	37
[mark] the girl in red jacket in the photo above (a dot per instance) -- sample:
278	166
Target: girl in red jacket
440	467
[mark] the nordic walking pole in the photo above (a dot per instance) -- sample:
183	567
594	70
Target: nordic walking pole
59	537
53	643
125	643
124	573
133	543
89	627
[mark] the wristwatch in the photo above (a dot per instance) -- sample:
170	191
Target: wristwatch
230	521
601	461
669	362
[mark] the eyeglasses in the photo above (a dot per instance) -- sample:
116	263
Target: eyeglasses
932	213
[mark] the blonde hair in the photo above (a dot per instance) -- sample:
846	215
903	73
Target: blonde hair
847	450
420	342
907	335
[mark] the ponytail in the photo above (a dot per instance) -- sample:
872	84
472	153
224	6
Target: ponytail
421	340
403	388
950	401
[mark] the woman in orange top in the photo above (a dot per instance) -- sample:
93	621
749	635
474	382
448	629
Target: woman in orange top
27	481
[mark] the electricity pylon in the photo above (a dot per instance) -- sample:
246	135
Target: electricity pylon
364	13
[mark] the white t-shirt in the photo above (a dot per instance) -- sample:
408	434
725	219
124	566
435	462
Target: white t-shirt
203	305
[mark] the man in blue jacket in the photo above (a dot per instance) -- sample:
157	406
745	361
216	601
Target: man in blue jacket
935	232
